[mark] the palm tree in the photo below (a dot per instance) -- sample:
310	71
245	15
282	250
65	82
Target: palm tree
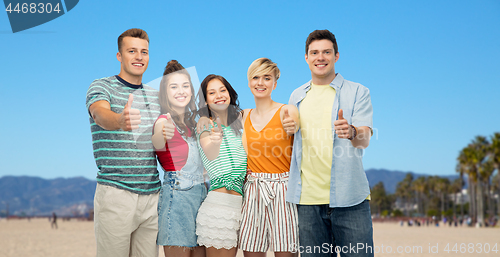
479	152
404	192
433	197
441	188
487	170
380	201
495	150
495	159
495	186
466	166
461	178
479	160
456	188
420	187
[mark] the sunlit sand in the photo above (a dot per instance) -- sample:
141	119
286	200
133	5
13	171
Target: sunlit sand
76	238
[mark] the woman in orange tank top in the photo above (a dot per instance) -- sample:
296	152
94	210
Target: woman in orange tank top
268	220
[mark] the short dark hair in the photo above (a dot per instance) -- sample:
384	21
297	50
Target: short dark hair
138	33
322	34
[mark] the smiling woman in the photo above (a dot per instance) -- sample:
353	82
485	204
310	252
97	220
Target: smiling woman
177	95
224	159
268	222
233	107
183	187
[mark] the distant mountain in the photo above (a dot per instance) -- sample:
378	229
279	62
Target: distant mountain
392	178
74	196
37	196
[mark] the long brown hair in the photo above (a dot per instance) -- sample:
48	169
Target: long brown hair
190	112
233	111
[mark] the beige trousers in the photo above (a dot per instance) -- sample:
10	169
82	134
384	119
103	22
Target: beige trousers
125	224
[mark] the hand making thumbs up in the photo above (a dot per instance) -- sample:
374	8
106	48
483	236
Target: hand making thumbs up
130	118
342	128
168	127
289	125
216	132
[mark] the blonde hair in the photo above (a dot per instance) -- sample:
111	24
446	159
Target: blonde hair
263	66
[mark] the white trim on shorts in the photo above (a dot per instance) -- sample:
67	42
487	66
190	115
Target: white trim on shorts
218	220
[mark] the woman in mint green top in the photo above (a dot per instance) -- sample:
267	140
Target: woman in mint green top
229	168
225	160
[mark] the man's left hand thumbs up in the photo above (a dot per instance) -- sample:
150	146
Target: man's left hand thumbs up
342	128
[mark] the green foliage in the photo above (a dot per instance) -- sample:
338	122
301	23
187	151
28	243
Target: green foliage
448	213
478	161
397	213
466	208
380	201
432	212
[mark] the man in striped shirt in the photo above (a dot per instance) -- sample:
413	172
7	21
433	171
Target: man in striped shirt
122	112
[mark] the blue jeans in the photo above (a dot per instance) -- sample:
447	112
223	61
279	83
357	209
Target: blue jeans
325	231
177	210
181	195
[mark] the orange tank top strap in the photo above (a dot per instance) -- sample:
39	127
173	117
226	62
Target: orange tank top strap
269	150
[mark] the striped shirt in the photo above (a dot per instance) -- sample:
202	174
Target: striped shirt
125	159
229	168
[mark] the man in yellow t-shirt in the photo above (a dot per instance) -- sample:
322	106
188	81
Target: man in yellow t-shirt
327	179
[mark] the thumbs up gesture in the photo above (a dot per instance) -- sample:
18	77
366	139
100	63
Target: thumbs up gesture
216	132
342	128
289	125
129	118
168	127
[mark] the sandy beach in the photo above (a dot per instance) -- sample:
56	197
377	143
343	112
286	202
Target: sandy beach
35	238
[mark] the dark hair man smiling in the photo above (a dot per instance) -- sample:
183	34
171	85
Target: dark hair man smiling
327	180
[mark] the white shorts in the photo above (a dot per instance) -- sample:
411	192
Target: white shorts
268	220
125	224
218	220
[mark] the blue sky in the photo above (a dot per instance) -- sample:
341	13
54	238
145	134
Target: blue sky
432	68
